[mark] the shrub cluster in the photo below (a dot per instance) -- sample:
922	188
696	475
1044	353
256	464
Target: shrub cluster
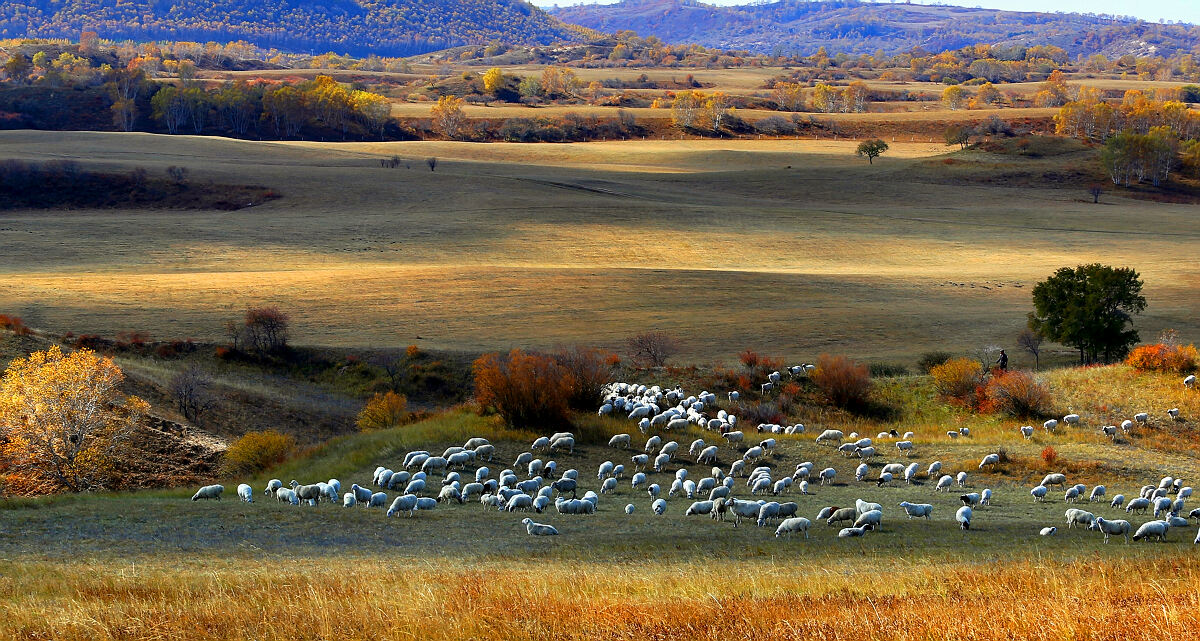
384	411
957	378
1017	394
1162	357
525	389
845	383
255	452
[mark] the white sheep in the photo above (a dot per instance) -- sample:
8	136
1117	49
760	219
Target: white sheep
1097	493
659	506
1141	417
874	518
917	509
245	493
1048	531
377	500
1053	479
934	468
1050	425
408	458
1071	419
1173	413
834	436
793	525
405	503
1071	495
1111	528
963	516
905	447
629	508
853	532
1027	431
861	471
1139	504
985	497
272	485
961	478
653	490
348	500
209	492
1155	529
944	483
1117	501
699	507
539	529
910	472
827	474
287	495
1079	517
989	460
1039	493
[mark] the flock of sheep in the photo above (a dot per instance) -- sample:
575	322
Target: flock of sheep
530	483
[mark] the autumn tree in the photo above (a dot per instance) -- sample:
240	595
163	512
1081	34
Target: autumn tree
871	149
286	109
262	330
789	95
686	108
652	348
64	421
716	109
493	80
825	98
383	411
191	389
125	85
953	97
448	117
1090	308
372	111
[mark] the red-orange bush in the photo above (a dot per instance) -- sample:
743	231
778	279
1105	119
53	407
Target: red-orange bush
14	324
1164	358
844	382
1049	455
525	389
1015	393
957	378
589	371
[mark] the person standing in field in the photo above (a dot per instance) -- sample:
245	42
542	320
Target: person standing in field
1002	361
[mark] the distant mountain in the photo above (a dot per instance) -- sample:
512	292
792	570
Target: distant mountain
852	26
360	27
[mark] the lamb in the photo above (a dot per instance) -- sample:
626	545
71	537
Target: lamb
1048	531
405	503
539	529
209	492
348	500
917	509
1155	529
1079	517
245	493
792	526
853	532
1039	493
963	516
989	460
272	485
1177	521
699	507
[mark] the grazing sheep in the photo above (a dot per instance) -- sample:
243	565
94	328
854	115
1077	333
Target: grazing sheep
1071	495
953	434
418	460
827	474
961	479
905	447
985	498
1027	432
853	532
414	486
1039	493
699	507
435	463
1162	505
209	492
272	485
1189	381
661	461
1054	479
519	502
884	479
989	460
866	452
917	509
963	516
564	442
638	479
910	472
833	436
408	458
1155	529
1110	431
1141	417
653	490
450	493
348	500
934	468
944	483
861	471
377	500
629	508
874	518
1079	517
1050	425
286	495
245	493
792	526
733	437
1117	501
659	506
843	514
1173	413
1071	419
1139	504
311	493
708	455
1097	493
970	499
1048	531
405	503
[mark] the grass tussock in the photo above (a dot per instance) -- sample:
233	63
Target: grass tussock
890	599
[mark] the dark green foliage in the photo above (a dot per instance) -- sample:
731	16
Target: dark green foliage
1090	308
930	360
388	27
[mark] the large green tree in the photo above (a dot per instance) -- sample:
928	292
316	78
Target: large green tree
1090	308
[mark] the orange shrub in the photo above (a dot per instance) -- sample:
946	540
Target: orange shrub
383	411
589	371
524	389
412	351
1049	455
749	359
1164	358
957	378
844	382
1017	394
14	324
255	452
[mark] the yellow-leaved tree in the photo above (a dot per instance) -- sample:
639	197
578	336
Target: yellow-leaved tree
447	116
63	421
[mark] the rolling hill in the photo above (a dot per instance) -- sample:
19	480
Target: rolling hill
359	27
851	26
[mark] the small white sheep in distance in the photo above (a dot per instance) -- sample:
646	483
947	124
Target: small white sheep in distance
1054	479
1027	431
653	490
970	499
1139	504
833	436
853	532
753	454
629	508
1079	517
952	434
985	497
1152	529
1141	417
961	478
1098	493
917	509
1039	493
1048	531
610	485
1117	501
377	500
827	474
965	431
905	446
287	495
884	479
272	485
538	529
1050	425
1071	419
1173	413
944	483
1189	381
209	492
699	507
792	526
989	460
910	472
963	516
861	472
405	503
1071	495
245	493
659	506
733	437
348	500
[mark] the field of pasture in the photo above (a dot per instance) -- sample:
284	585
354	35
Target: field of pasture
790	247
152	563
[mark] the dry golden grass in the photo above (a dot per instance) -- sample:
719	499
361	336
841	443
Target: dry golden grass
536	245
356	598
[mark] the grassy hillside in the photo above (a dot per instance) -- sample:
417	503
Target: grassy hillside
853	27
391	27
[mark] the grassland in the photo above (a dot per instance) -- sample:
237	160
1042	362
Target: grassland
791	247
152	564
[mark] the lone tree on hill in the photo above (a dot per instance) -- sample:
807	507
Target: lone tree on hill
1090	308
652	348
872	149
